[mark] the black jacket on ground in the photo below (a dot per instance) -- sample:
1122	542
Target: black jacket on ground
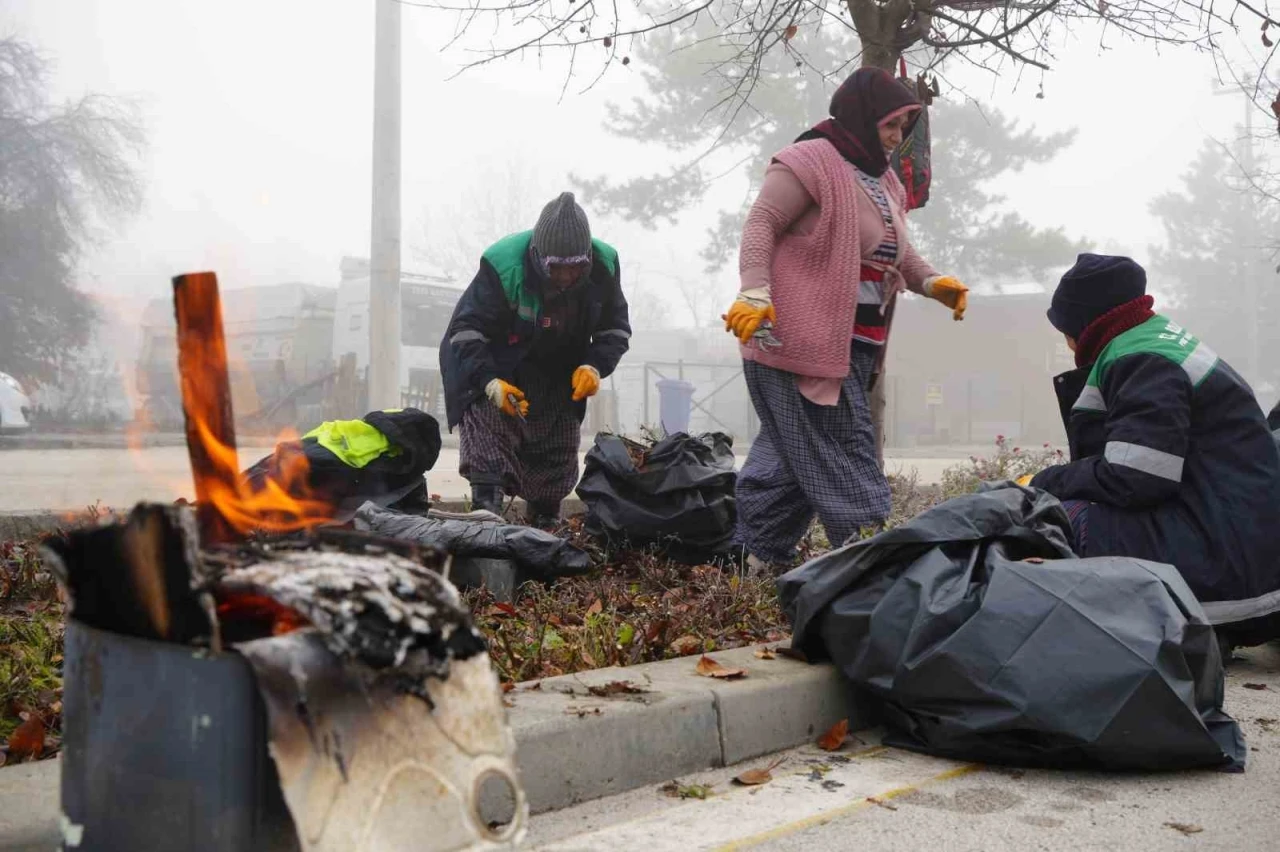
488	338
1180	467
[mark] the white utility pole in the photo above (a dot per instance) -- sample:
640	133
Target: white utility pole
384	251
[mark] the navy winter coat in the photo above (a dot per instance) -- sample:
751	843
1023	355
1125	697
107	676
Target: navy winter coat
1172	449
497	320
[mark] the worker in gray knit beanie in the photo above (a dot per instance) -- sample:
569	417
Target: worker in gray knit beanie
562	235
542	323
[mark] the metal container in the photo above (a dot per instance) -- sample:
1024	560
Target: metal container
164	747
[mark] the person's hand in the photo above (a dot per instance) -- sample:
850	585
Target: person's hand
1025	481
950	292
747	313
507	398
586	382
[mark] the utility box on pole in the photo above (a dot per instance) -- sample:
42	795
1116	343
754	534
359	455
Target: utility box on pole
384	254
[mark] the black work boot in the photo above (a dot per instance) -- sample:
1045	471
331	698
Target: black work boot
487	497
545	515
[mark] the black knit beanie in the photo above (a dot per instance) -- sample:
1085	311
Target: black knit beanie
1095	285
562	234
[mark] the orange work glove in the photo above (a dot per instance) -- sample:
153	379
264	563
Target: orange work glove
747	313
586	382
950	292
1024	481
507	398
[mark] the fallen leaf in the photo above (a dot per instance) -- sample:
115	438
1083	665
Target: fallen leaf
582	712
686	645
790	32
791	654
1255	686
615	687
1185	828
507	686
500	609
537	685
765	654
834	738
588	659
596	608
27	740
757	776
881	803
708	667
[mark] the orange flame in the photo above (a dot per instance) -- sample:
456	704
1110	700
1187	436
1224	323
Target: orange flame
285	502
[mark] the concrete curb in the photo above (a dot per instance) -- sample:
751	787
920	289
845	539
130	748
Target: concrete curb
573	746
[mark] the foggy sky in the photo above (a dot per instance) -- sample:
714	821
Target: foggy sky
260	117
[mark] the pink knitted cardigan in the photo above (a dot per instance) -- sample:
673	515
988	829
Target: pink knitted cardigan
812	272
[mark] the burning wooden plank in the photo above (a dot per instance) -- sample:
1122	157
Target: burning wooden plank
206	399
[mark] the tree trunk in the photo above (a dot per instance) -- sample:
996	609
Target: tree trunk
879	55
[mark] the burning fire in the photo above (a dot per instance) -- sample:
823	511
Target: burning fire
285	503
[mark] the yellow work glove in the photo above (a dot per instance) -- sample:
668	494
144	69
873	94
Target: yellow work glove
586	382
747	313
950	292
1024	481
507	398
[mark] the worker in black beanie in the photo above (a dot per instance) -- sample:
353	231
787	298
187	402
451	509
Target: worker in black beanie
543	321
1171	457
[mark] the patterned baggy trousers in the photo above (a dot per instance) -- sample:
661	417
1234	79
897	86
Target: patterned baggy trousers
535	458
808	459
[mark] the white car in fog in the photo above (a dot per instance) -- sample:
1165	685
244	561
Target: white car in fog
14	405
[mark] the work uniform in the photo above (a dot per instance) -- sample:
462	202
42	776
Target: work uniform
1173	461
510	325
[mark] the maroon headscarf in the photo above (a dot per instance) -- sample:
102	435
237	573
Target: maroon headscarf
868	97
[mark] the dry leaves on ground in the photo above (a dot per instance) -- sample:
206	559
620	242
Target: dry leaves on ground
685	791
881	803
708	667
27	740
764	775
1185	828
833	739
1258	686
765	654
686	646
616	687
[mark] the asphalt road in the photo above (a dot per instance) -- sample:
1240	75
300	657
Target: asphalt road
875	798
71	479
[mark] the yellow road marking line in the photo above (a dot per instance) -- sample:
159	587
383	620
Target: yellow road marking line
827	816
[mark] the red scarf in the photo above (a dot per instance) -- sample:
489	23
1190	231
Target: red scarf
1111	325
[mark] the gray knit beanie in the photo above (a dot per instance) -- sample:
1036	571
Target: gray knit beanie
562	234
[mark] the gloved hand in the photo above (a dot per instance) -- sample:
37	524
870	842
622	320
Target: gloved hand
586	382
948	291
748	311
1024	481
500	392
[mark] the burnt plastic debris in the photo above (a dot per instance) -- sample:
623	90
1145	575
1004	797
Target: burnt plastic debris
392	478
677	494
538	554
980	636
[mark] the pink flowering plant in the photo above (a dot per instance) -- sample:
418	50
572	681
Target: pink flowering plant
1008	463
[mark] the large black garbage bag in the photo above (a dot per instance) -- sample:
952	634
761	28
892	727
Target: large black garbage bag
983	638
680	497
540	554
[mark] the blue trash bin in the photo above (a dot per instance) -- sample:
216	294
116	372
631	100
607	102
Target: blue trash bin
675	405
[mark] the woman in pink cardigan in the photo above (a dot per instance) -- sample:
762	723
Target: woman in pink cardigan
824	254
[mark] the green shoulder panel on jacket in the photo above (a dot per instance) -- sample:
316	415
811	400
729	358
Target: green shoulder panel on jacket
354	442
608	254
506	256
1162	337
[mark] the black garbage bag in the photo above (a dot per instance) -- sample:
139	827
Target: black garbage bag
539	555
394	477
677	494
981	637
